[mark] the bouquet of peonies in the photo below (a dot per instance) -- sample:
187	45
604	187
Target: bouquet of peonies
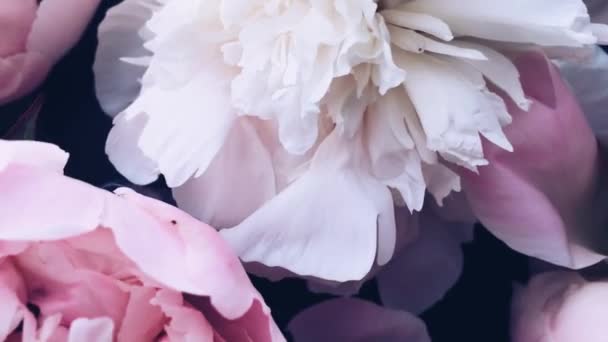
342	142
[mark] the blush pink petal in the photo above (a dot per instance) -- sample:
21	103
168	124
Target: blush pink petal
423	271
37	36
560	307
588	81
537	199
16	18
349	319
186	324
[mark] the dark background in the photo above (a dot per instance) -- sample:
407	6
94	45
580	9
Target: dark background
476	309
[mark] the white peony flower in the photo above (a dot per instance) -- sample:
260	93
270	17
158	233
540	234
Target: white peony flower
300	124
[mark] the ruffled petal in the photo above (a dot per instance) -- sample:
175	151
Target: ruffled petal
185	323
180	252
349	319
516	196
121	35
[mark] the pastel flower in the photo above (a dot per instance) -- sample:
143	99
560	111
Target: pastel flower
35	35
560	307
349	319
78	263
299	125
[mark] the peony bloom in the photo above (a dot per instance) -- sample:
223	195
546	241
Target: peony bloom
560	307
81	264
299	125
34	35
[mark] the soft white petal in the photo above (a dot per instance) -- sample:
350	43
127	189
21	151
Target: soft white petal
325	224
121	34
241	177
542	22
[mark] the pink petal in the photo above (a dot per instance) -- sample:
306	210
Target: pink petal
56	30
16	18
560	307
21	73
588	80
56	286
349	319
32	153
12	293
423	271
537	198
142	320
186	324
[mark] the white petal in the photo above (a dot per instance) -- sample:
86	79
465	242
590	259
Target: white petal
542	22
393	158
411	41
121	34
238	181
419	22
453	108
500	71
325	224
124	153
440	180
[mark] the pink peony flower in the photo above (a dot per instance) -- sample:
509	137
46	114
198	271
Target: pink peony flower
81	264
33	37
349	319
560	307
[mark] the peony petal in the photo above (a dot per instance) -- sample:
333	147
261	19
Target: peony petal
12	293
53	40
168	139
338	246
186	324
125	154
349	319
16	18
93	330
560	307
543	22
516	196
32	154
587	80
424	270
142	320
21	73
241	177
121	34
